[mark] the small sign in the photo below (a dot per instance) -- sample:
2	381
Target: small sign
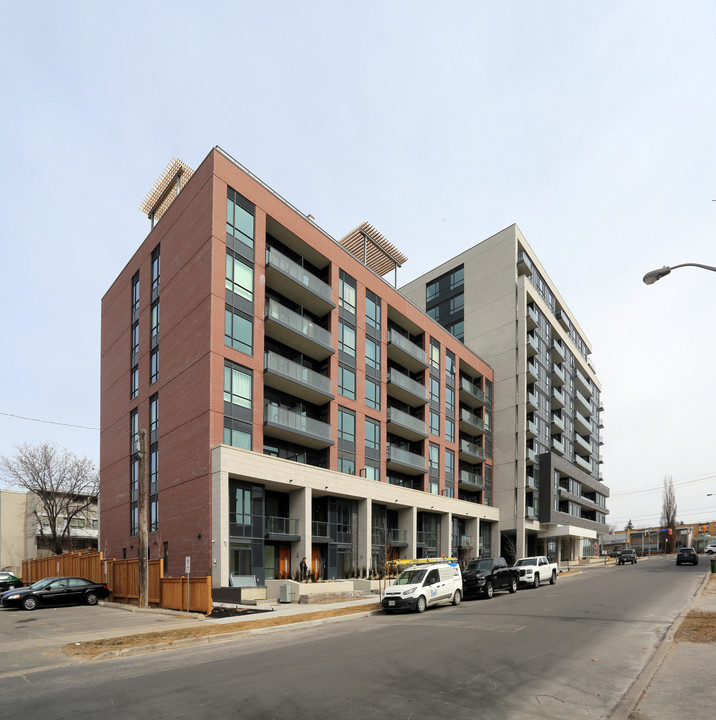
187	564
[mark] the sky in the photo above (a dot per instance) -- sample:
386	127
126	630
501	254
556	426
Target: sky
590	125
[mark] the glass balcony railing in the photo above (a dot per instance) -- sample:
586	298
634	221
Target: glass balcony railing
380	536
415	351
472	389
584	444
531	513
473	479
426	538
300	275
471	419
407	383
293	371
319	529
282	526
298	323
297	422
405	457
583	463
462	541
558	446
473	449
398	417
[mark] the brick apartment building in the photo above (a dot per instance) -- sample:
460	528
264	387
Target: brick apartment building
296	404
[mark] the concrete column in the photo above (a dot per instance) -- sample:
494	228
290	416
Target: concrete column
472	528
300	507
365	524
219	523
446	548
408	521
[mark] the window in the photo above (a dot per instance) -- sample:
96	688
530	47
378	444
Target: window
346	339
457	303
346	382
371	472
449	465
434	459
372	310
457	329
238	331
133	471
153	366
153	417
237	386
134	383
434	390
239	277
434	354
372	354
434	422
153	489
449	400
372	435
449	430
372	394
346	465
431	290
135	342
237	438
450	371
434	312
135	295
457	278
155	271
347	293
239	505
154	333
346	426
240	217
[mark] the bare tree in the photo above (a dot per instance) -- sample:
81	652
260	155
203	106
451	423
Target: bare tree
629	526
668	513
65	487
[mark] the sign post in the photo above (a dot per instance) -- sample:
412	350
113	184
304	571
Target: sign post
187	569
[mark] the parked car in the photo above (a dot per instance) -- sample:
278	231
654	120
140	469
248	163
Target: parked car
710	549
627	556
8	581
55	591
421	586
686	555
536	570
486	575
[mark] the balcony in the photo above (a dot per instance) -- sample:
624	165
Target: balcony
280	528
470	422
471	393
426	538
532	318
582	423
404	425
557	375
297	331
296	380
405	461
531	483
462	541
391	536
406	389
581	403
558	446
297	283
319	532
471	452
532	370
532	430
470	481
557	423
405	352
532	400
582	443
582	382
562	319
292	426
523	265
583	463
532	346
557	350
532	456
558	399
530	513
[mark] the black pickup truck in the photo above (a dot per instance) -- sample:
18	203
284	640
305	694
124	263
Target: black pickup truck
485	575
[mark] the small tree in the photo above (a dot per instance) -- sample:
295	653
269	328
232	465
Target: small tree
668	513
629	526
63	486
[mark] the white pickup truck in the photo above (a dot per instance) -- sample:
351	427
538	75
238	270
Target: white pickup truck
536	570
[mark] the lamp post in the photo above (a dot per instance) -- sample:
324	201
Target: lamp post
651	277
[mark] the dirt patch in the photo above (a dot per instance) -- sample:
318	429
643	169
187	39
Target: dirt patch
94	648
224	612
697	627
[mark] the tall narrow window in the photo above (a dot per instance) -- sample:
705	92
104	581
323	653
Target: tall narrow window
372	436
347	293
372	354
372	393
133	472
240	217
239	277
346	382
346	339
155	272
346	426
237	386
238	331
372	310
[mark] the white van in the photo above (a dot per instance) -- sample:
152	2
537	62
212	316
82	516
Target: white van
421	586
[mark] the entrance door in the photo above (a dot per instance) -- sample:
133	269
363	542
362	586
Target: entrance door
316	561
270	562
285	561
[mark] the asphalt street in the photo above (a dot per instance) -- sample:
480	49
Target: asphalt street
564	651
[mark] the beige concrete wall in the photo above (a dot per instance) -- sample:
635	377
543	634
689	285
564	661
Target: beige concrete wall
13	507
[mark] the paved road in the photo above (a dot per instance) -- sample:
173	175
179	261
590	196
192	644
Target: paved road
567	651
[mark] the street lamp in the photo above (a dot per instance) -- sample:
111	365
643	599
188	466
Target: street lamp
651	277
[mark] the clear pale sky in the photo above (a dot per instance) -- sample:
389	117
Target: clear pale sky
591	125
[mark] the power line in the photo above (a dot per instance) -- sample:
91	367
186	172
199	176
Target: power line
62	424
658	488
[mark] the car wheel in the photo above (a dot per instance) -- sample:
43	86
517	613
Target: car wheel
489	590
11	587
30	603
420	605
457	597
513	585
553	577
709	552
91	598
535	582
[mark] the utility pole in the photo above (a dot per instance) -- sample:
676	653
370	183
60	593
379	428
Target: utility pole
142	520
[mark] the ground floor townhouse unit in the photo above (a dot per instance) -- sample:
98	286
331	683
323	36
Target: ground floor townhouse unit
288	403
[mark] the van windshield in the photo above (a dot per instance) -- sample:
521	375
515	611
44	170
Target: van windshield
410	577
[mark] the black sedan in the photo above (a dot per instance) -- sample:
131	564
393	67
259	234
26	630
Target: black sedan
55	591
686	555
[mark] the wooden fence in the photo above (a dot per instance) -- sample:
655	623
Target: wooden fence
122	578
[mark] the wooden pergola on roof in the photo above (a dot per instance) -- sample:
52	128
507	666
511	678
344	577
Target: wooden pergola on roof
175	176
373	250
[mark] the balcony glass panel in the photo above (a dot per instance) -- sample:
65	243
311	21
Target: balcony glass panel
295	421
405	457
282	526
472	389
471	478
402	418
407	383
472	449
395	338
471	419
294	371
299	274
298	323
319	529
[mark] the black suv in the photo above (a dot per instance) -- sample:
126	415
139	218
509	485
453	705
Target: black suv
627	556
687	555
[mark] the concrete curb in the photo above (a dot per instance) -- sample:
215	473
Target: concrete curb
626	706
